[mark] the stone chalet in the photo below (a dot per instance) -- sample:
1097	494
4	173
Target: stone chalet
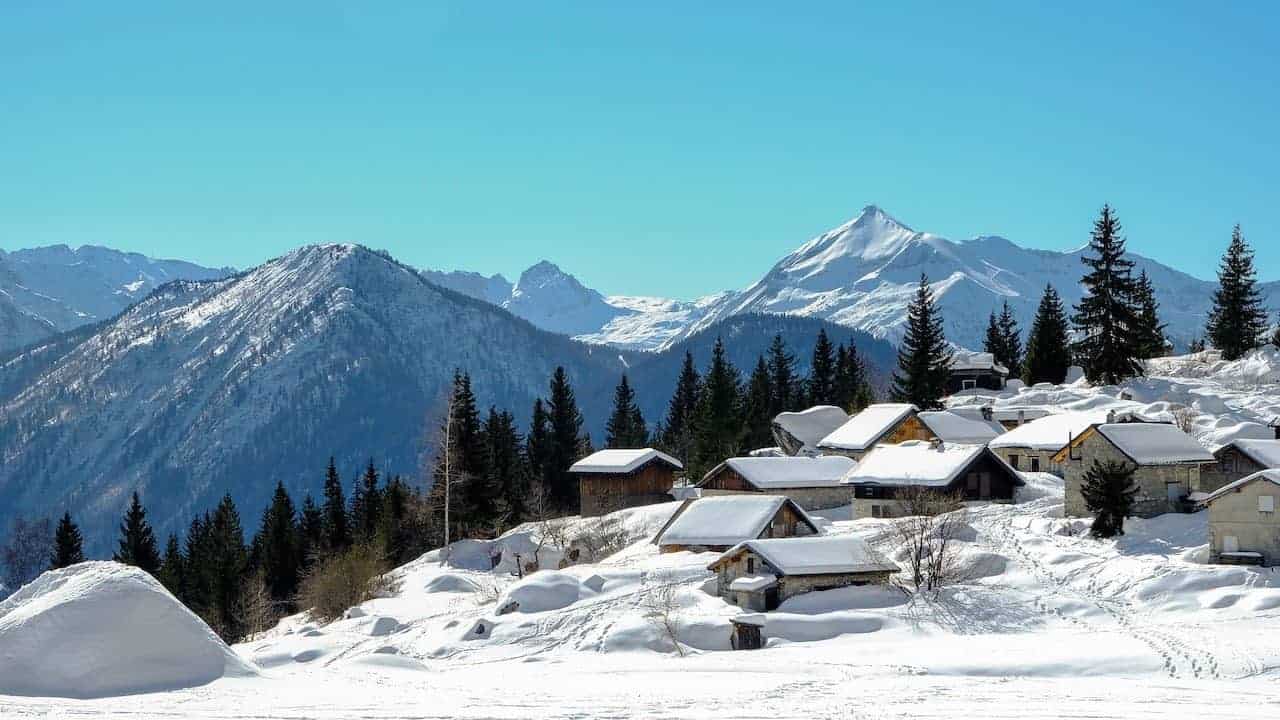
718	523
610	480
1167	463
970	471
1032	447
812	482
759	575
1244	527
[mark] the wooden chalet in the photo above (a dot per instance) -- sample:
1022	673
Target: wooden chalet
975	371
718	523
876	424
610	480
814	483
971	472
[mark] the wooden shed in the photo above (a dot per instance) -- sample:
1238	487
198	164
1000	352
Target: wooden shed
972	472
718	523
610	480
759	575
812	482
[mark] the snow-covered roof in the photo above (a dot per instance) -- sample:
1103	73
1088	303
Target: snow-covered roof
952	427
1264	452
864	429
769	473
753	583
969	360
725	519
621	461
810	426
817	555
1272	476
1051	432
915	462
1155	443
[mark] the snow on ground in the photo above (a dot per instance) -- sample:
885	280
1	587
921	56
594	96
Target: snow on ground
1052	623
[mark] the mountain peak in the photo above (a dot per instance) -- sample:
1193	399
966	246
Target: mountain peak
875	214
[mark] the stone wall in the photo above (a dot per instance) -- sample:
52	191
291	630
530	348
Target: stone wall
1232	465
1152	480
1025	455
1236	514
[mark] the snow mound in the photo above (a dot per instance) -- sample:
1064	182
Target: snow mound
101	629
451	583
541	592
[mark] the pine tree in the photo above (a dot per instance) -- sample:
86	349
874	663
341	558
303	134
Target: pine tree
1106	317
337	526
1108	492
681	422
68	545
565	423
625	427
822	372
198	570
924	359
507	484
993	341
279	548
137	541
783	381
537	449
1151	340
756	404
227	560
173	568
1010	341
1237	321
366	504
396	531
310	531
852	391
719	418
1048	352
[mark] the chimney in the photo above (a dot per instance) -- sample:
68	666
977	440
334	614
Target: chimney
1111	416
935	444
1022	417
988	413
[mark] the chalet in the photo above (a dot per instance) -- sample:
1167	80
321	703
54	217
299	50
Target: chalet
812	482
1013	417
1238	459
879	423
970	471
610	480
1244	527
1166	461
718	523
798	433
1032	447
975	371
951	426
759	575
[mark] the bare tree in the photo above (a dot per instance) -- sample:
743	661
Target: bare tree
598	539
1185	419
928	534
553	532
662	609
257	611
27	550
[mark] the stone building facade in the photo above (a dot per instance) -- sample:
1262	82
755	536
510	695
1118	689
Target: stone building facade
1162	488
1244	522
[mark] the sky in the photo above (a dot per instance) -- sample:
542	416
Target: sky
658	148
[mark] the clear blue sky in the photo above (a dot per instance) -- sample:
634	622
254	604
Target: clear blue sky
646	147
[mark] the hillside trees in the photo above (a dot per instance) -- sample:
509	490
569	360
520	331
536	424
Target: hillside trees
678	427
1237	320
719	415
1106	318
26	551
924	359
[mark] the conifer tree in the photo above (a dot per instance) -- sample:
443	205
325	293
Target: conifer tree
1010	341
227	560
852	391
924	359
1048	352
1106	318
1275	336
822	372
537	449
625	427
1108	492
173	568
783	380
680	426
758	400
507	484
993	340
565	424
310	531
1150	340
719	419
68	544
1237	321
366	504
396	530
137	544
197	573
278	545
337	526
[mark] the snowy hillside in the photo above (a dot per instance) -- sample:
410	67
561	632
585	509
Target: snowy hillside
58	288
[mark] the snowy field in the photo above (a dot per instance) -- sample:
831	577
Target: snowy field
1052	624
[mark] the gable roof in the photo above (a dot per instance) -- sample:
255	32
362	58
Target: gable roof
1272	476
769	473
920	463
725	519
1051	432
1264	452
1155	443
810	426
968	360
621	462
817	555
952	427
863	430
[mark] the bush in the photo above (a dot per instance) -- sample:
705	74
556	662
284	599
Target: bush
344	581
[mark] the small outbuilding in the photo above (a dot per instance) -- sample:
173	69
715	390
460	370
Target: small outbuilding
814	483
951	426
718	523
876	424
1032	447
975	371
610	480
798	433
759	575
1244	527
1166	461
970	471
1239	459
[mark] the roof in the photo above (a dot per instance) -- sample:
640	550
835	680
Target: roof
1155	443
968	360
864	429
1264	452
753	583
951	427
770	473
1272	476
918	463
621	462
1051	432
725	519
810	426
818	555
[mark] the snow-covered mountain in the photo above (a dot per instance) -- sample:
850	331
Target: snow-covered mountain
51	289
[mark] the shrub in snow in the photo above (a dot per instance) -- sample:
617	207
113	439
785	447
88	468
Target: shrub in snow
343	581
540	592
99	629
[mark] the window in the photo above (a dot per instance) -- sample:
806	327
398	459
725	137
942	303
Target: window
1266	503
1013	461
751	566
968	384
1035	464
875	511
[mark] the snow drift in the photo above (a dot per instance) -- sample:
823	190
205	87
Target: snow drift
99	629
